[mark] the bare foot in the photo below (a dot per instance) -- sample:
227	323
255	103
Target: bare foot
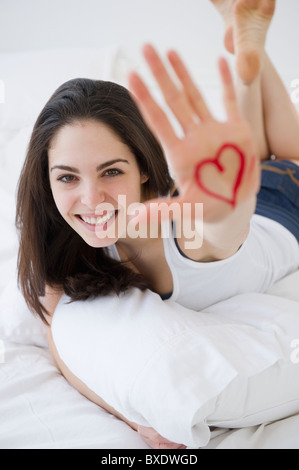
252	19
247	23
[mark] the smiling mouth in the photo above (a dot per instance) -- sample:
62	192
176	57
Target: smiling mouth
97	221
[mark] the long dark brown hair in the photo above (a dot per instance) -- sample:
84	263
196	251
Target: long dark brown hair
50	251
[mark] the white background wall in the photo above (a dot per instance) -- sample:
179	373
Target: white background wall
191	26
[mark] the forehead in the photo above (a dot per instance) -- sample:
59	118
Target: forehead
88	139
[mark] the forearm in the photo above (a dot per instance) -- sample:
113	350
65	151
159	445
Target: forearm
219	240
229	234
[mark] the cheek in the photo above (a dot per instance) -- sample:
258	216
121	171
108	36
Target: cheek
130	189
134	190
133	195
63	201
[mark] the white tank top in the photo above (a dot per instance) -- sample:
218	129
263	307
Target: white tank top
269	253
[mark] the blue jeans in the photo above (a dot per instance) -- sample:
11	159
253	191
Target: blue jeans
278	198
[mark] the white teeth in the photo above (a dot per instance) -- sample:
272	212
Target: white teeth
99	220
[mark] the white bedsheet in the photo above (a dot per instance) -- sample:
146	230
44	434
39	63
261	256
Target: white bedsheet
39	409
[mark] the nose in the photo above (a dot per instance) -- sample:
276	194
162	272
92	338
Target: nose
92	195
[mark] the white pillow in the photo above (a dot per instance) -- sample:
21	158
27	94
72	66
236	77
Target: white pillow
31	77
17	323
180	371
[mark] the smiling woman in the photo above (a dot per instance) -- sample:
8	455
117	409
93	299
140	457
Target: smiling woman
89	144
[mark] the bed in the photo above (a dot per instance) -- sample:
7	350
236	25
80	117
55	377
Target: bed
38	408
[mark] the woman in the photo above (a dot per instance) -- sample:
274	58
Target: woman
90	149
90	146
46	238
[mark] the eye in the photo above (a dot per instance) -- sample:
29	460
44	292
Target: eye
113	172
67	179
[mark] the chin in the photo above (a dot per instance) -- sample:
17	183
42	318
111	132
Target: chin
100	242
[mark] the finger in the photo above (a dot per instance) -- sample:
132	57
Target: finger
155	440
175	98
153	114
229	94
194	96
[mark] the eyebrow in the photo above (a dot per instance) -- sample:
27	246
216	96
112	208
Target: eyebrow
98	168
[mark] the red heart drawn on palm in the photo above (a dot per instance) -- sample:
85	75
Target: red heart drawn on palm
216	163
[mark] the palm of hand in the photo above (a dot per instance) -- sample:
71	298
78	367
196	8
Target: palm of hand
214	162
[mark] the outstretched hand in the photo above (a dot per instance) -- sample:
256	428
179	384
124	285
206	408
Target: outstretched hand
214	162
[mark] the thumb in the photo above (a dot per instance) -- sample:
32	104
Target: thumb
157	210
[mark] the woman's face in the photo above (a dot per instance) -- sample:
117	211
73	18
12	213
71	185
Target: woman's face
94	177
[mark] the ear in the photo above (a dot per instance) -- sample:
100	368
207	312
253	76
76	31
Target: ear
143	178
